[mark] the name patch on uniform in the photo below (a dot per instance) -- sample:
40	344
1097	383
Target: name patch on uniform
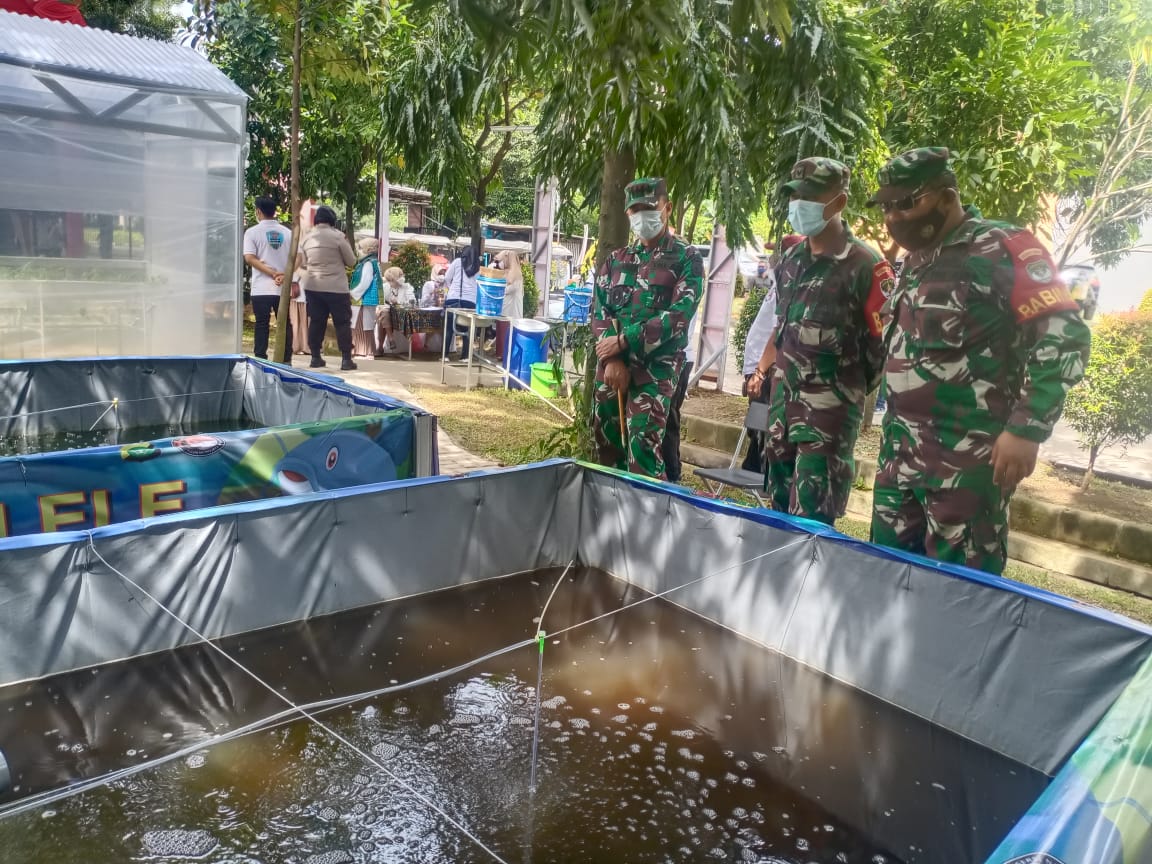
1036	289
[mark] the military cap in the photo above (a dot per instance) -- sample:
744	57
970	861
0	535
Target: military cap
817	175
910	172
645	190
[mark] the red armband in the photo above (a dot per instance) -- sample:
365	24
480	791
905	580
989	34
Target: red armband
883	283
1036	286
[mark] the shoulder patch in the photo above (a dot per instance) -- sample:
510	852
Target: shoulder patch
1036	288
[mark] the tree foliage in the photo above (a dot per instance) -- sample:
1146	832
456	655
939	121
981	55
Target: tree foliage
145	18
718	98
442	98
342	132
1101	215
1113	404
1001	85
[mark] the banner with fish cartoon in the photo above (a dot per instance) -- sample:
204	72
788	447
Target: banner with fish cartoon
1098	809
80	489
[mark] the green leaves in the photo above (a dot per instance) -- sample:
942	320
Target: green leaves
1113	404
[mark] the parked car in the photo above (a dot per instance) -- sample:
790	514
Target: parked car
1084	286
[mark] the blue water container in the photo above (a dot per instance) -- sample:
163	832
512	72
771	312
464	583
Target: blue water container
529	345
577	303
490	291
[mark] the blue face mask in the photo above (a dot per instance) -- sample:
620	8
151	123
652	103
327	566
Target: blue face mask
646	224
807	217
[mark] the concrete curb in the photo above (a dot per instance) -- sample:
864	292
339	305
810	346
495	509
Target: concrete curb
1053	555
1093	532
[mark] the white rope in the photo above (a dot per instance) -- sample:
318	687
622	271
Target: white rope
115	403
52	410
307	710
367	757
42	799
643	600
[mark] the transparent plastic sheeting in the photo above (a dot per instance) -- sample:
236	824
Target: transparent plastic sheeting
1099	807
1026	674
350	437
120	201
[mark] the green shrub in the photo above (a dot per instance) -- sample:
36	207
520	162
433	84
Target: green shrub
740	287
1113	404
531	291
413	259
752	304
1146	302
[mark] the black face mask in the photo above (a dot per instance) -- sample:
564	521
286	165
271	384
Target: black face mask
919	233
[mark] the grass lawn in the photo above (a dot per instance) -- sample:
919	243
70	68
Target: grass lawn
494	423
1048	484
1122	602
502	425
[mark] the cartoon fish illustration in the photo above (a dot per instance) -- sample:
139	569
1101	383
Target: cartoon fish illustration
342	458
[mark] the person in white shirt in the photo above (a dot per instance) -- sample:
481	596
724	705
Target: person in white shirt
508	262
758	335
396	293
432	294
460	283
266	252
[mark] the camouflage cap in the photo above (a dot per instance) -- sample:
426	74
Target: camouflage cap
910	172
646	190
817	175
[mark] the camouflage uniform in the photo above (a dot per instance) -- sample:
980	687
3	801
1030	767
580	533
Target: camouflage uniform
829	356
650	295
982	337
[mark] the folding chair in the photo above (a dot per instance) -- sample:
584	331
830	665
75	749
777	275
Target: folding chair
747	481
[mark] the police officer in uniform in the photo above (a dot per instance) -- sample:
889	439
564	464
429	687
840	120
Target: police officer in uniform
646	294
984	343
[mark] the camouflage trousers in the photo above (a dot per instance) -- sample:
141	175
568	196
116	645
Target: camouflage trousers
810	470
966	525
646	407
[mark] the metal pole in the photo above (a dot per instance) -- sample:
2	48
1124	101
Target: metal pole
384	221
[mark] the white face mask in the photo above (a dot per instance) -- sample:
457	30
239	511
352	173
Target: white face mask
807	217
647	224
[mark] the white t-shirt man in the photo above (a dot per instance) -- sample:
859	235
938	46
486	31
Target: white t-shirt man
268	240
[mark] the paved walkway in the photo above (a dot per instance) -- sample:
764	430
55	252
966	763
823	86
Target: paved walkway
1064	448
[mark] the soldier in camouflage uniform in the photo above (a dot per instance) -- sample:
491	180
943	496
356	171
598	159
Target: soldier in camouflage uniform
984	342
827	347
645	296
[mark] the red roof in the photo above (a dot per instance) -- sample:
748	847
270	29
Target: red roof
53	10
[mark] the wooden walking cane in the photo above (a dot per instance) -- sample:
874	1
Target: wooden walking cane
623	425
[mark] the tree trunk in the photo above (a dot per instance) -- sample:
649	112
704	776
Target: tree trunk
619	170
281	342
475	217
870	408
691	236
350	184
1093	452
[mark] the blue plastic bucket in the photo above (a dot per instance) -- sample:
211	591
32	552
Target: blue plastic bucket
529	345
490	292
577	303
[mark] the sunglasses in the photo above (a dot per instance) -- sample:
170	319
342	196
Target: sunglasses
905	203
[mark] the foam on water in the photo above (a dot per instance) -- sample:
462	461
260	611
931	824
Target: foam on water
698	776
